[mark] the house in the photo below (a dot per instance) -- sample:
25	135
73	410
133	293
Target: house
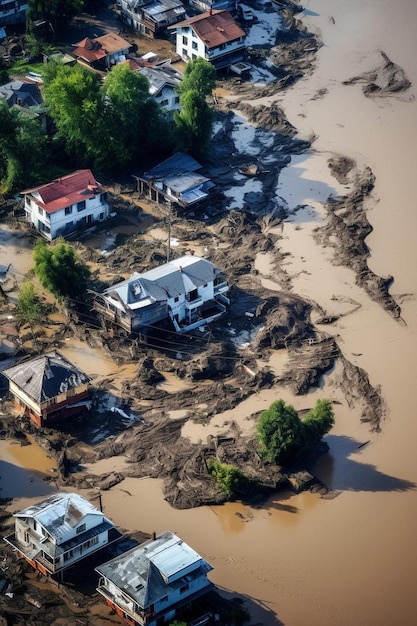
189	291
151	18
59	532
13	12
49	388
152	583
177	181
102	52
163	81
58	208
21	93
213	35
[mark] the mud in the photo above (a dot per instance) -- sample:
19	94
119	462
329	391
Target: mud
388	79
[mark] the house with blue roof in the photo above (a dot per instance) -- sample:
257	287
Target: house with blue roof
59	532
152	583
188	291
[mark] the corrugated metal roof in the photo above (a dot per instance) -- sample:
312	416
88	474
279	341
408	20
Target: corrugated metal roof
177	164
61	513
139	572
46	376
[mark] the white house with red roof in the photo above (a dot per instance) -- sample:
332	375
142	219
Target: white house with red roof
103	51
66	204
213	35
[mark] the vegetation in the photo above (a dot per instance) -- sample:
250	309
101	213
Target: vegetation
229	478
22	149
60	271
29	309
284	437
56	14
195	120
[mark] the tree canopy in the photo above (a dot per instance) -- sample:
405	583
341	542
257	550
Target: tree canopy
22	149
60	270
56	13
284	437
199	76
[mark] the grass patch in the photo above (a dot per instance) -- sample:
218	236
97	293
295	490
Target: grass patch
22	66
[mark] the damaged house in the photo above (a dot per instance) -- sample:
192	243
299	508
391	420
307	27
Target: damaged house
49	388
150	18
152	583
188	291
176	181
59	532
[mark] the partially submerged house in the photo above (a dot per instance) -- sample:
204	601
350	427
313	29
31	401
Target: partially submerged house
59	532
189	291
151	18
175	181
66	204
102	52
152	583
214	36
49	388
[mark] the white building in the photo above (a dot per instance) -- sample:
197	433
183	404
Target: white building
66	204
153	582
189	291
149	17
59	532
213	35
163	81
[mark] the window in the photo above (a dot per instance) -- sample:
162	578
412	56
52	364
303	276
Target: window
103	197
81	205
184	53
68	555
41	211
184	588
193	56
68	210
81	528
184	40
195	45
101	216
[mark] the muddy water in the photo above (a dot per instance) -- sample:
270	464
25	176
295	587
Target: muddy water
348	561
23	470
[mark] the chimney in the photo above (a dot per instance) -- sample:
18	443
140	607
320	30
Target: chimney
154	535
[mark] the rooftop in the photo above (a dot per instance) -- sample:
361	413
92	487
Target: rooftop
214	27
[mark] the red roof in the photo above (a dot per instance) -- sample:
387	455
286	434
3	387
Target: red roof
65	191
214	28
95	49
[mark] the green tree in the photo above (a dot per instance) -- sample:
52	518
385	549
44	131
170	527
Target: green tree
133	122
22	149
29	309
279	432
73	100
194	124
318	422
57	13
199	76
228	477
60	271
284	437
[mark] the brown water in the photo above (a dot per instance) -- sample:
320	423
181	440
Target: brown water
350	561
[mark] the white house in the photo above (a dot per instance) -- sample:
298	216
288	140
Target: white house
102	52
163	80
189	291
153	582
66	204
59	532
213	35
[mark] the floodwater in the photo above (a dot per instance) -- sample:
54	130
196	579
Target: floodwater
350	561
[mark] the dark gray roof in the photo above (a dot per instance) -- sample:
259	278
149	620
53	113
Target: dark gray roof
176	278
175	165
19	92
155	569
46	376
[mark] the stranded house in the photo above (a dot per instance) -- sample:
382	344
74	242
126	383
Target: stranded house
188	291
49	388
59	532
154	582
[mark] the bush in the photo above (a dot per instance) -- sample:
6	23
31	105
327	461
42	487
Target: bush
229	478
